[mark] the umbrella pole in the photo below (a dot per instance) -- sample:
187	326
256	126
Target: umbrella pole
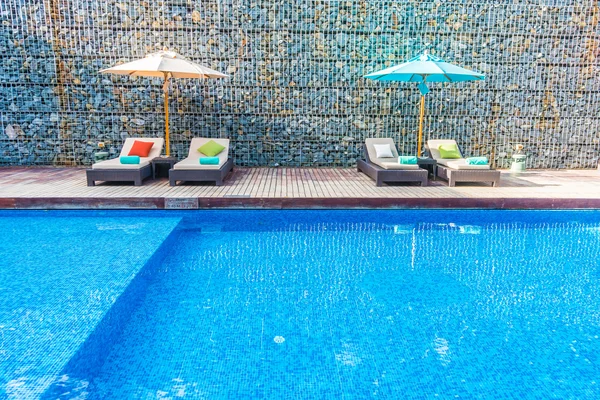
422	115
166	90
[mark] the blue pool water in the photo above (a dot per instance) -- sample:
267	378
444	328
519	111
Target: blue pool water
59	275
300	305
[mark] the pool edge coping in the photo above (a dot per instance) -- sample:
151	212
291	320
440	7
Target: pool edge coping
160	203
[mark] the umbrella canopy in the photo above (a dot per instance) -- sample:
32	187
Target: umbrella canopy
422	69
162	62
166	65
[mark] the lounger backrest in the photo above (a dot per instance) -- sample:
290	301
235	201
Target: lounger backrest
436	143
154	152
198	142
372	154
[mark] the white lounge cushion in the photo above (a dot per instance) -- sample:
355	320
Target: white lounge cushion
462	164
445	161
394	164
385	162
193	159
454	163
193	163
154	151
115	163
434	146
370	142
383	150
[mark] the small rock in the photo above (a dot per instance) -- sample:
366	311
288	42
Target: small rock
10	132
359	124
196	17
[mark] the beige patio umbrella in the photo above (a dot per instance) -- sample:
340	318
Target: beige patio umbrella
166	65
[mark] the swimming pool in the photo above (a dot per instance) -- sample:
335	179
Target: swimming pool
300	304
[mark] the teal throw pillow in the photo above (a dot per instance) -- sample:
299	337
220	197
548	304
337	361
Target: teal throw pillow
477	161
409	160
209	161
129	159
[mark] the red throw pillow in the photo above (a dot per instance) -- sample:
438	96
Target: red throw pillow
140	148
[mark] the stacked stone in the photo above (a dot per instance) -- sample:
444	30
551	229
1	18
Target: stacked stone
296	95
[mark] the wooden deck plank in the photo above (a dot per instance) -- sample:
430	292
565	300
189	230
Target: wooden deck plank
246	185
306	187
276	184
268	177
257	182
282	183
309	179
338	185
279	184
321	182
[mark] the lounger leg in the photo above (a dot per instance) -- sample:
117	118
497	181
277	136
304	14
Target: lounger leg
424	183
219	182
451	182
90	178
137	182
172	182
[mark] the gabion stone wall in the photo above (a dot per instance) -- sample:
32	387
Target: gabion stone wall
296	95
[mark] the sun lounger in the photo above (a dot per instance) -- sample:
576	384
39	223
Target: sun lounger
388	169
456	169
190	169
113	170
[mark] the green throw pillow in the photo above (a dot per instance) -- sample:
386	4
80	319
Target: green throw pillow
211	148
449	151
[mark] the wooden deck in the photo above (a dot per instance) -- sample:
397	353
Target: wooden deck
49	188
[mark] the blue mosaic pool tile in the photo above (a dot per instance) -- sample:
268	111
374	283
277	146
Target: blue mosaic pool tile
326	310
354	305
59	277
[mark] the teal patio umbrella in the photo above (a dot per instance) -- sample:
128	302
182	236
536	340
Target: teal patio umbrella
422	69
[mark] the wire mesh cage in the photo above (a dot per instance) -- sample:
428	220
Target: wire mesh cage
296	95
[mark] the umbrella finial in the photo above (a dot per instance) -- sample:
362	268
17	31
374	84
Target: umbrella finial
425	53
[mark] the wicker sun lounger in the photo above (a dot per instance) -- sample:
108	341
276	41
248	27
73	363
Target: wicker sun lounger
114	171
190	169
388	169
457	170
